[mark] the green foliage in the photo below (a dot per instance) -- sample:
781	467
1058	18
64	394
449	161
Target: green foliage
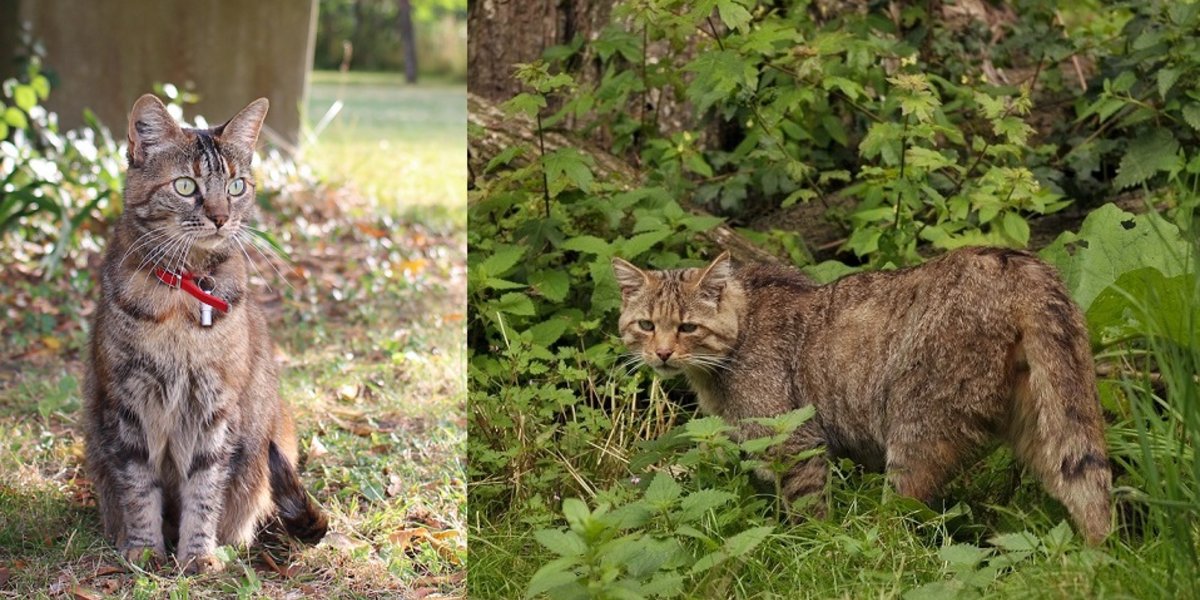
901	127
371	29
683	525
51	183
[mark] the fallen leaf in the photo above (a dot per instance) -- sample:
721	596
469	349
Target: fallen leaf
316	449
108	570
4	575
80	592
414	266
287	571
347	393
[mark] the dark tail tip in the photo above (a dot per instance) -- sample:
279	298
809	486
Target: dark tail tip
300	516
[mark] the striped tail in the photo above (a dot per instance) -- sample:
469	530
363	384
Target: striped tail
301	517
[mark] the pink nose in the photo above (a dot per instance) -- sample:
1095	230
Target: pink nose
663	355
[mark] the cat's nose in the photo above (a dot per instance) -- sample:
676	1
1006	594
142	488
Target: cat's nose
663	355
218	220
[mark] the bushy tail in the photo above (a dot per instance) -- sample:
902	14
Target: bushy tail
302	519
1058	428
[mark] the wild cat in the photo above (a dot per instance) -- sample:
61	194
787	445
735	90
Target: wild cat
911	371
188	442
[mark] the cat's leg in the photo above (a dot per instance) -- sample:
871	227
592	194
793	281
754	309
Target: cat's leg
920	460
141	499
201	498
806	478
133	481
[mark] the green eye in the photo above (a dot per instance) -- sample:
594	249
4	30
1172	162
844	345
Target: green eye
236	187
646	325
185	186
687	327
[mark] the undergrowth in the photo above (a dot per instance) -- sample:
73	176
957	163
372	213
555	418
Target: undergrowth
590	480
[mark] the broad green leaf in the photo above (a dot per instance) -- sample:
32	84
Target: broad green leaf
41	85
502	158
576	512
718	75
524	104
747	540
552	575
567	165
562	543
694	505
24	97
733	14
502	260
960	556
587	243
662	491
1016	542
1144	301
15	118
1191	114
1166	80
516	303
1015	228
547	332
552	285
1110	243
638	244
1146	156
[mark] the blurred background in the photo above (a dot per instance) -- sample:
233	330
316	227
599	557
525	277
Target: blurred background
359	262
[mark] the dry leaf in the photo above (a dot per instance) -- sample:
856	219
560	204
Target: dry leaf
80	592
108	570
4	575
316	449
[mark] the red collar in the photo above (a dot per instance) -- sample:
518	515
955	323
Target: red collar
186	281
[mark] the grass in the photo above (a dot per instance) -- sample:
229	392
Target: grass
999	535
370	336
391	140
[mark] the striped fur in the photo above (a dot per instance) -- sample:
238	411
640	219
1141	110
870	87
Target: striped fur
913	371
184	427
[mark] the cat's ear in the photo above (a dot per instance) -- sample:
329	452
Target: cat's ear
629	277
149	125
243	128
715	276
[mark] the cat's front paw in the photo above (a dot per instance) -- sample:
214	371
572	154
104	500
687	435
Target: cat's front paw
144	556
203	564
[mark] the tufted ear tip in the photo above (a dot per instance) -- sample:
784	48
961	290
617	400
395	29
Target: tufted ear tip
629	277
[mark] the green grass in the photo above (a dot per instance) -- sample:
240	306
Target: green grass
874	544
370	337
403	145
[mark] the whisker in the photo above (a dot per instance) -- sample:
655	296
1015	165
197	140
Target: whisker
254	245
242	247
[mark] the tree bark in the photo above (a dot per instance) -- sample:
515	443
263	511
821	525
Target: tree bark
405	24
505	33
500	131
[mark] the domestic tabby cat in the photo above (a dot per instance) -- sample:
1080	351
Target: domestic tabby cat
188	442
913	371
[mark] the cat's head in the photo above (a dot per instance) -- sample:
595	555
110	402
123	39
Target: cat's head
194	186
682	319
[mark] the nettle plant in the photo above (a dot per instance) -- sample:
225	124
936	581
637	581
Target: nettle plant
670	525
840	107
541	293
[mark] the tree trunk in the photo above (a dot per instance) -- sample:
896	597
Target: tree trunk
507	32
404	18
